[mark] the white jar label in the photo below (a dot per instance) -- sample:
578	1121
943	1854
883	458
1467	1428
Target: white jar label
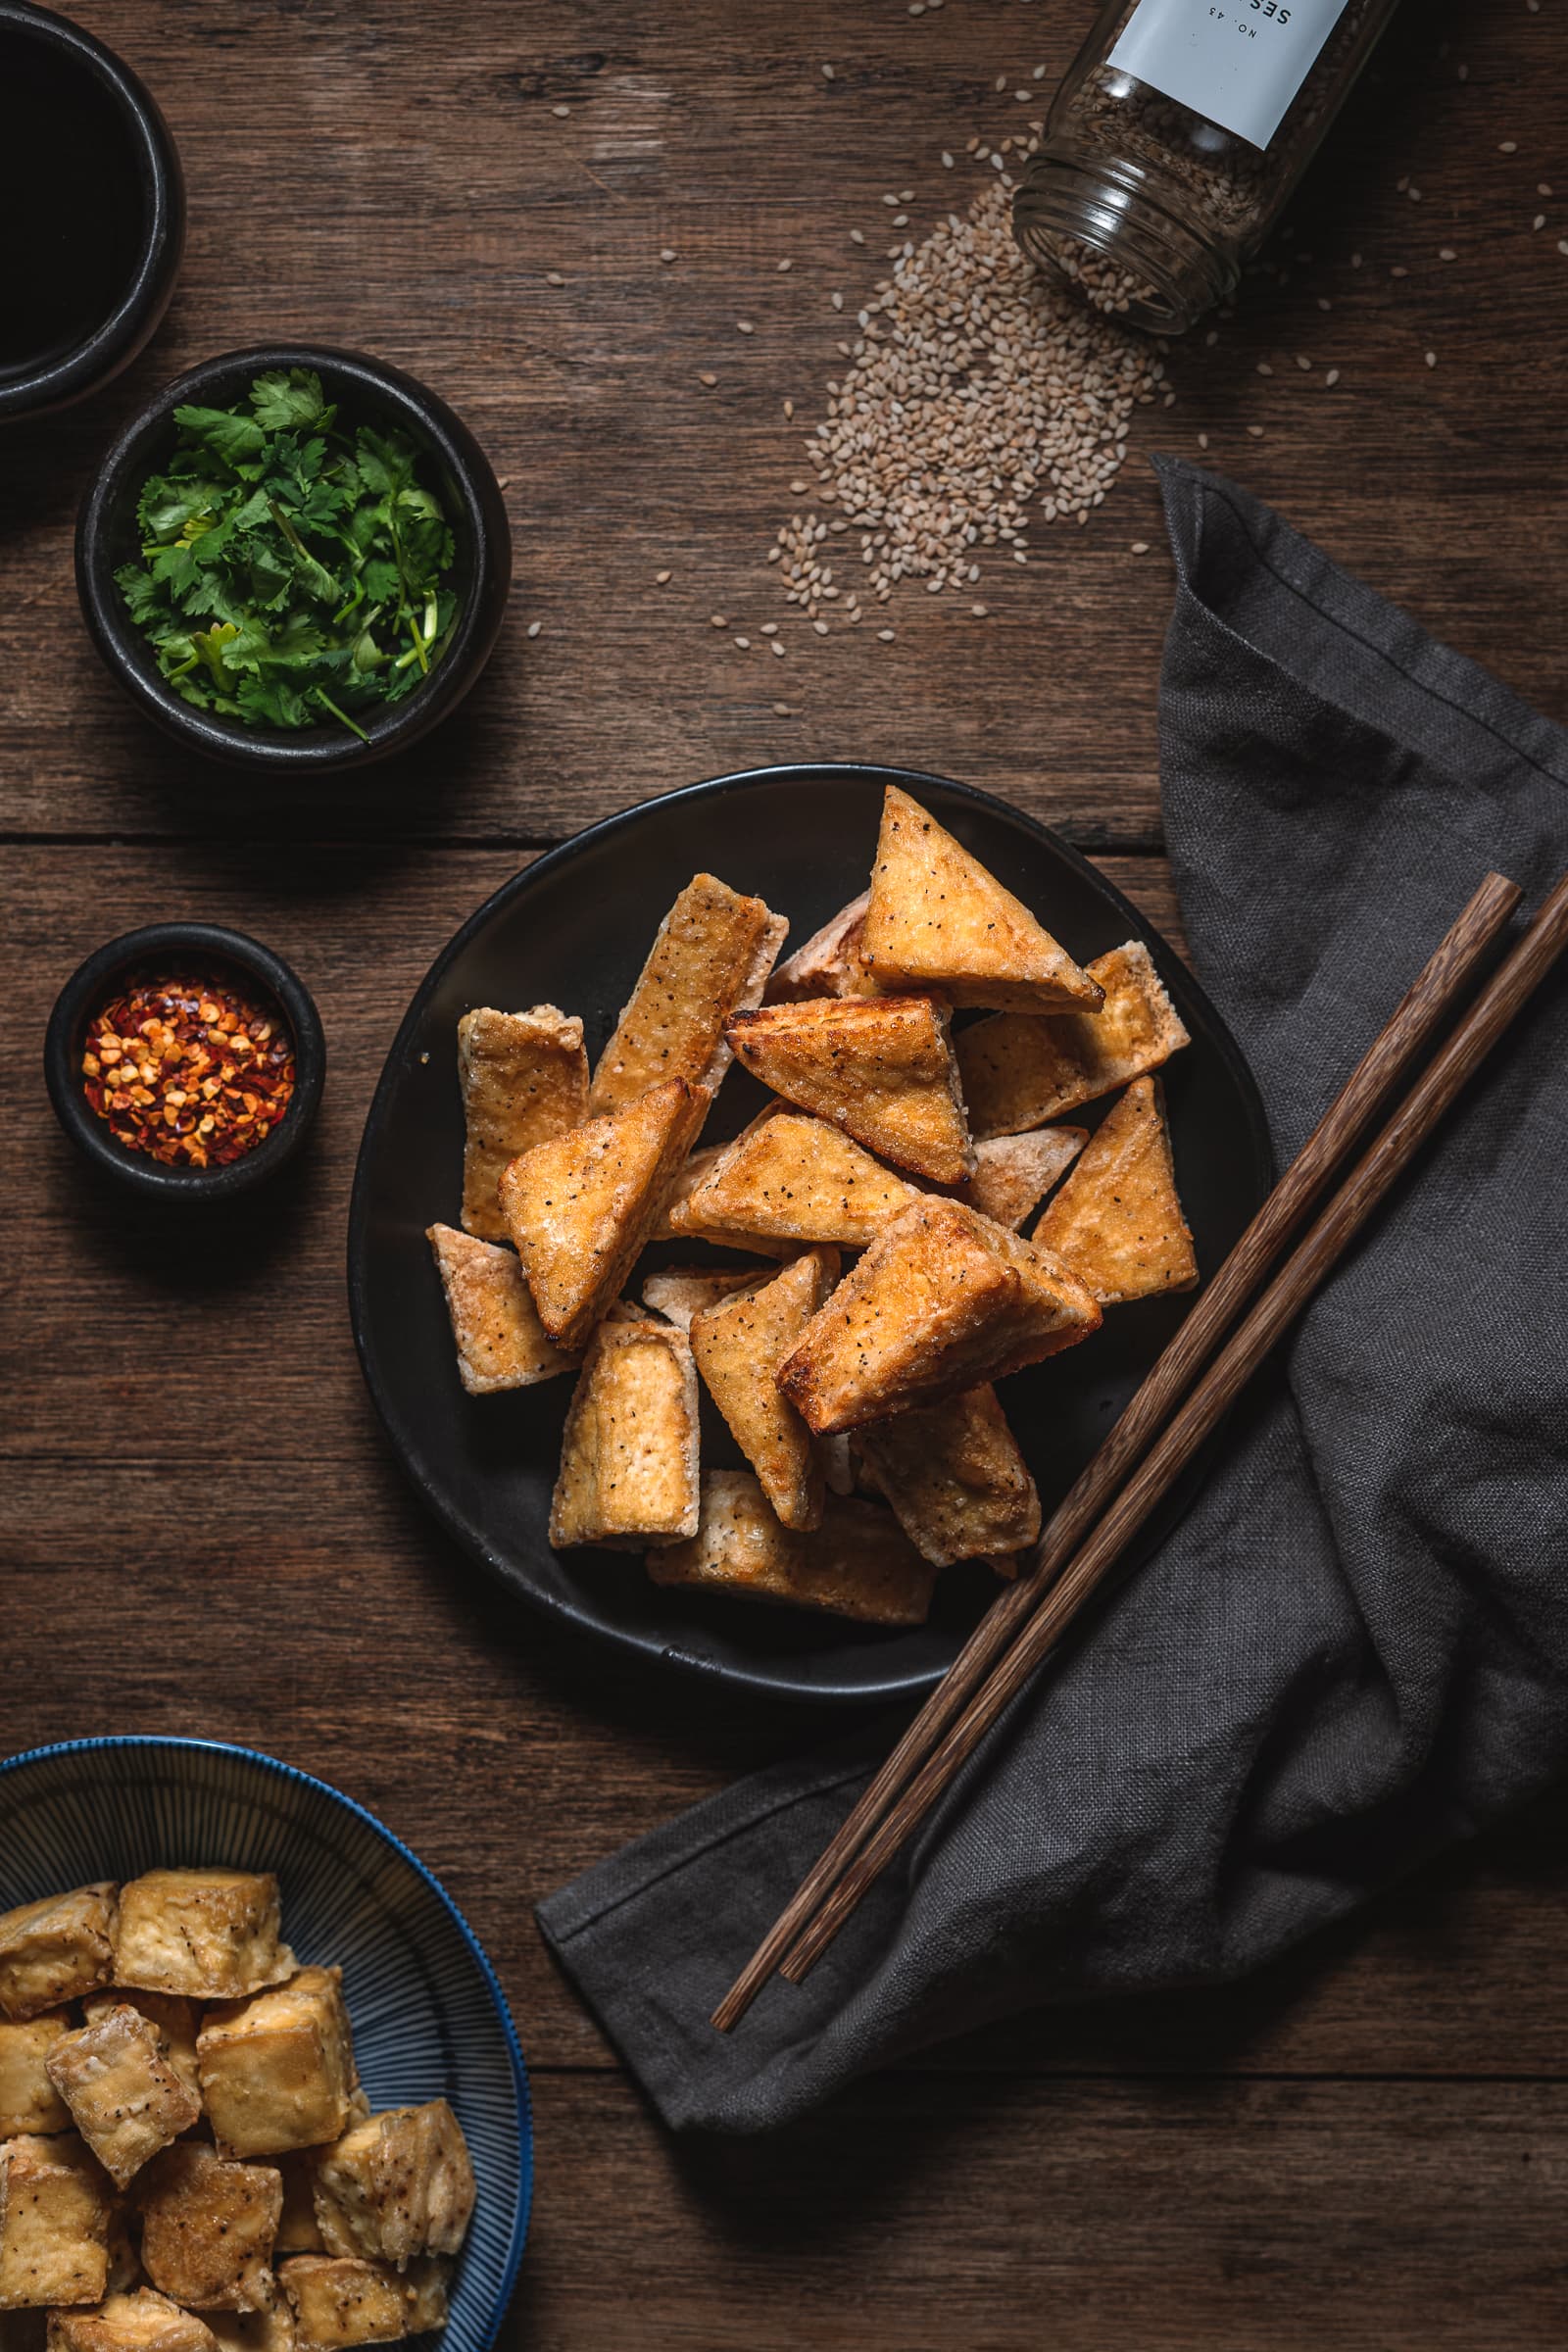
1238	61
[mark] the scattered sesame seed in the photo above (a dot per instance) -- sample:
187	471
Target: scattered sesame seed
707	379
1263	367
534	627
718	620
857	236
560	112
1203	440
1332	379
785	265
1446	252
980	611
1509	147
820	626
836	300
1355	261
1540	221
828	73
1542	187
886	636
789	410
777	645
1432	358
553	277
1562	244
744	326
781	709
1398	271
946	161
661	580
1303	362
666	253
1256	431
1140	547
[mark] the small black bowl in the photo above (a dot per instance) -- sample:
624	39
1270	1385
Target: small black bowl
206	947
92	188
367	390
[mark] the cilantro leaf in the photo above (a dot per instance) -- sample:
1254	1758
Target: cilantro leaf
237	441
279	400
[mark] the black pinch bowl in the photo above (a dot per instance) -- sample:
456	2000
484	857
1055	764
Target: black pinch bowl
204	948
97	248
366	391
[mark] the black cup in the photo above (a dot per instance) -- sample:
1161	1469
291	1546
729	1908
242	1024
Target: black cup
202	949
94	202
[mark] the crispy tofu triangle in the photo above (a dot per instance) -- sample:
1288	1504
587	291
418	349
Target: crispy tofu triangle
943	1300
678	1293
858	1563
1013	1173
1118	1221
581	1209
829	964
1019	1071
714	953
739	1346
629	1458
791	1179
524	1078
880	1067
938	919
958	1486
501	1340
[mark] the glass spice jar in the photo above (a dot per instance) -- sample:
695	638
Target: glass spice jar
1177	137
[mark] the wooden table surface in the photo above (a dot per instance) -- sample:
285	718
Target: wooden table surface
1367	2147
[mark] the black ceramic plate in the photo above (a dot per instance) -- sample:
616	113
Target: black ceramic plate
572	930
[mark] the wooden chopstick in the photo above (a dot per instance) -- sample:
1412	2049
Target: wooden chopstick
1431	996
1450	1068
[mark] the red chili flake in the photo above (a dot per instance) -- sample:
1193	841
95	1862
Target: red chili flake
147	1063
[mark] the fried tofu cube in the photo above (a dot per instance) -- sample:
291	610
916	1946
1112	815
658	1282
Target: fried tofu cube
943	1300
175	2018
628	1457
501	1340
142	2322
269	2331
791	1179
1019	1070
739	1344
277	2071
524	1078
125	2097
956	1482
830	964
57	1949
1118	1221
340	2300
938	920
581	1209
207	1935
208	2226
28	2100
858	1564
54	2208
1013	1173
399	2185
712	954
880	1068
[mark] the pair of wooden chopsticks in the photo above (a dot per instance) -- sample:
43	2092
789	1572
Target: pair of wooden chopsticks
1183	1398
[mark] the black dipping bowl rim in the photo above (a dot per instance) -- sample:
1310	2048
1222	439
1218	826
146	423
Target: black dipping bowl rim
66	1036
653	1649
357	381
114	343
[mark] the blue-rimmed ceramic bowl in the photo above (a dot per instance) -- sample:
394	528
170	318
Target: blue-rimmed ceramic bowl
430	2020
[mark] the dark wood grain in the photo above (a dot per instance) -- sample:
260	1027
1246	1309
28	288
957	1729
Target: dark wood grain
205	1533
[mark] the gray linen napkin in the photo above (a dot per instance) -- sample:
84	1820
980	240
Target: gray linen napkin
1355	1647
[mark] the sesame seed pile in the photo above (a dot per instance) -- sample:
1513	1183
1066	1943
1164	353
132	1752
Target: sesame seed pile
975	386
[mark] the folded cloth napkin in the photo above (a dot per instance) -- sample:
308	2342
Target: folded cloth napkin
1355	1647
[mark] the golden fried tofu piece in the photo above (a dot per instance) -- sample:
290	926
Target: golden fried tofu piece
829	964
712	954
628	1457
581	1209
738	1344
673	1222
943	1300
208	2227
269	2331
28	2100
142	2322
501	1340
297	2229
125	2097
397	2185
524	1078
54	2208
953	1473
339	2300
57	1949
677	1293
175	2018
858	1563
1018	1070
1013	1173
938	920
788	1180
210	1934
881	1068
1118	1221
277	2071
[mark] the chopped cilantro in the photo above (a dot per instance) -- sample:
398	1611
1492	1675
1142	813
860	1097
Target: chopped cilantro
292	571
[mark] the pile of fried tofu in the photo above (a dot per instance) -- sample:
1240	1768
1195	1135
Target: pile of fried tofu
187	2162
884	1187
